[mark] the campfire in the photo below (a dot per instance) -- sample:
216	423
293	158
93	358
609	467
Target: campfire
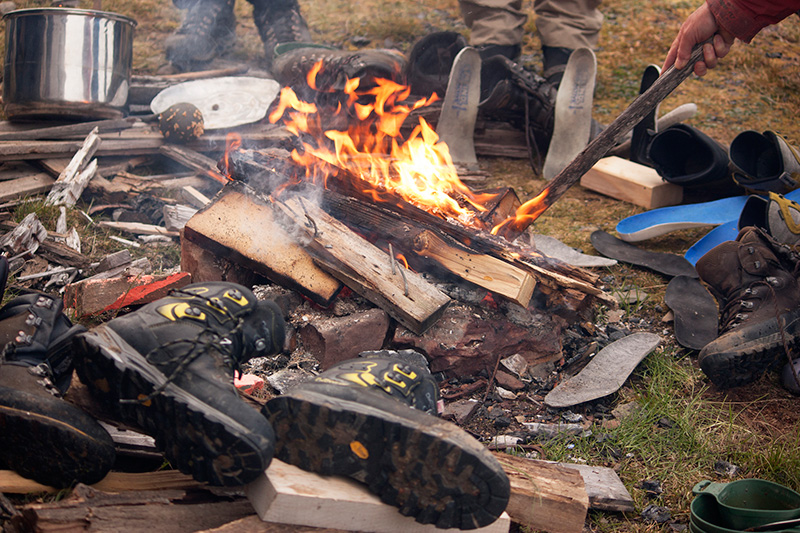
379	207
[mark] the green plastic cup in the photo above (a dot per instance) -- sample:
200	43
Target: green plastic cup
742	504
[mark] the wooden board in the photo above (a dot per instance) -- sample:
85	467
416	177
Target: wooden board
545	496
241	228
631	182
286	494
26	186
604	487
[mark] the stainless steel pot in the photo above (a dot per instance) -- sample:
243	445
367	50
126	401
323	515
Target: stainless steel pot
63	62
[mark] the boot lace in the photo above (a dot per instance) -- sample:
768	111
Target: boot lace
206	341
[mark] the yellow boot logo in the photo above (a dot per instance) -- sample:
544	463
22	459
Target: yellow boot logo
181	310
366	378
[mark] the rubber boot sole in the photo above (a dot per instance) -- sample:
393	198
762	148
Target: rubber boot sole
195	437
429	468
741	356
51	441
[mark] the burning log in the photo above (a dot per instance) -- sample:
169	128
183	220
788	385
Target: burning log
226	228
363	267
482	270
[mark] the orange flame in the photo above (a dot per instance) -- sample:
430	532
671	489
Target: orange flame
232	142
418	169
525	215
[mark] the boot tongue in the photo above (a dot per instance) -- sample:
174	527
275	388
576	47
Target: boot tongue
719	268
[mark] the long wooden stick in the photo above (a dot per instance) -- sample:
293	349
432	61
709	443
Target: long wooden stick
610	136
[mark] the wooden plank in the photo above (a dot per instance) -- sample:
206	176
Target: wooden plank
286	494
138	228
483	270
26	186
631	182
545	496
604	487
165	511
365	268
242	228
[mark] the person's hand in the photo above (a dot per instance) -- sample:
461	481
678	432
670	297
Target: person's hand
698	27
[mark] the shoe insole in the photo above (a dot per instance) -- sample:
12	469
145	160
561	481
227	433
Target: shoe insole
573	115
661	262
695	312
725	232
664	220
605	373
456	125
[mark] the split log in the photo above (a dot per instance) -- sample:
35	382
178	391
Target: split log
545	496
176	216
241	228
26	236
363	267
483	270
459	342
71	182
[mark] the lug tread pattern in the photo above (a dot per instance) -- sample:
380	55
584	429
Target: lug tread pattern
195	440
423	470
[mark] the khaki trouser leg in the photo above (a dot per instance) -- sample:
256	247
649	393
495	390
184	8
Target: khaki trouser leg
494	21
560	23
568	23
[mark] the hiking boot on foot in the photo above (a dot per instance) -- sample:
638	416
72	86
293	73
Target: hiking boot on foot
43	437
430	61
291	69
765	162
167	368
208	29
279	22
754	281
374	420
554	63
513	94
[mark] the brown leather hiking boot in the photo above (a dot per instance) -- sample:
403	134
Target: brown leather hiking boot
754	281
208	29
511	93
279	22
43	437
373	419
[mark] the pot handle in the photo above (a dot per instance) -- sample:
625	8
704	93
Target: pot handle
708	487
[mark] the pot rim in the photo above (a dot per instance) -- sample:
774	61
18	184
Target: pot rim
68	11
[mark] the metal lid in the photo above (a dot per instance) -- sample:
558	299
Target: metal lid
225	102
69	11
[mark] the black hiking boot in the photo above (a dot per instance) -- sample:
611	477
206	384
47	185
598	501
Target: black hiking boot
523	98
279	22
168	369
43	437
430	61
373	419
208	30
754	281
292	65
554	63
